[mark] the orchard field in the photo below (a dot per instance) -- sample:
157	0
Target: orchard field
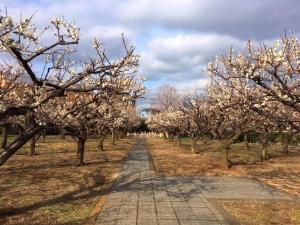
86	139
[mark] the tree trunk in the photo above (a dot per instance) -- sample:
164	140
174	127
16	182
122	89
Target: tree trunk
246	140
225	157
117	135
62	134
171	137
225	144
43	136
122	134
100	143
179	141
20	130
113	136
264	146
18	143
80	151
285	141
4	136
285	145
194	144
165	136
32	145
205	139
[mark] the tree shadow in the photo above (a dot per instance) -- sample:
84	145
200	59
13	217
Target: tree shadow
62	164
255	159
81	193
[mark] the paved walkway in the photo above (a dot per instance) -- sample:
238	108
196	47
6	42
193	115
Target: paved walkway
141	198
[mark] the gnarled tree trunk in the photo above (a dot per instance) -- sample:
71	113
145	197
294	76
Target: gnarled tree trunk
225	144
19	142
80	150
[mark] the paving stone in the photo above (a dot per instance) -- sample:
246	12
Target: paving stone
165	212
168	222
163	205
166	216
126	222
197	204
186	215
106	221
211	223
181	204
126	210
188	222
149	211
177	198
147	221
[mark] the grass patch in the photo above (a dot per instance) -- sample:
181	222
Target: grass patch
49	189
260	212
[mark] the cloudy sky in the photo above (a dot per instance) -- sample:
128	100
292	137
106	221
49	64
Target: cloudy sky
175	38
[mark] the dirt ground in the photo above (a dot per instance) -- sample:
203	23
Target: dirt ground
49	189
282	171
263	212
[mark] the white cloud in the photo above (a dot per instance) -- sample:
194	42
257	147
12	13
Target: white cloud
184	56
190	85
110	37
108	32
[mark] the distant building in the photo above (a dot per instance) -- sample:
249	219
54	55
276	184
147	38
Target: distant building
148	112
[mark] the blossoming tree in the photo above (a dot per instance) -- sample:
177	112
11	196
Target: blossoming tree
24	46
268	78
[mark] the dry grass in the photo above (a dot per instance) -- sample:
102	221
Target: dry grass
263	212
281	170
50	189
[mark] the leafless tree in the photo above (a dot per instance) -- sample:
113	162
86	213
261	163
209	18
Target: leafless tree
166	98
